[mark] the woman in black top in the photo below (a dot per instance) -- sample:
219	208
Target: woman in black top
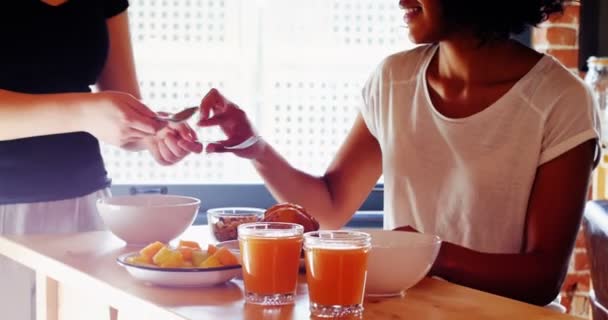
51	170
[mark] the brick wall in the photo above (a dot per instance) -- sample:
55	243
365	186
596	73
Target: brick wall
559	37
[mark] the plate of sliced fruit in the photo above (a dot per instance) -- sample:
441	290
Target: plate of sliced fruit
185	265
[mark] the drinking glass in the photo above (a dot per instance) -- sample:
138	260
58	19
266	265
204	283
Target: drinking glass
336	268
270	253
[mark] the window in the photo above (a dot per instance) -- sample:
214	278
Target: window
296	67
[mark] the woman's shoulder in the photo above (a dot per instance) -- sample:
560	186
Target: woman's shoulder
561	76
404	65
553	83
413	55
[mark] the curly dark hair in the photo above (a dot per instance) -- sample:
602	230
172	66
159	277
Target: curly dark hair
490	19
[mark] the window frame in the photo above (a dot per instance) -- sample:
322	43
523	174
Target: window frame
369	215
215	195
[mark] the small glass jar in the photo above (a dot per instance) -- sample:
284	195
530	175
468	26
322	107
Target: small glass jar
597	79
223	222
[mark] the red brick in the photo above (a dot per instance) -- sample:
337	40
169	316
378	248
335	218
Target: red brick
562	36
580	237
571	15
539	36
568	57
579	282
581	261
566	301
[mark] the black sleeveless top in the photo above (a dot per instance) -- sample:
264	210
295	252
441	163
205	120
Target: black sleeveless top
52	49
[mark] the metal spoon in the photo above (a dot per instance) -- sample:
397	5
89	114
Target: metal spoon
178	117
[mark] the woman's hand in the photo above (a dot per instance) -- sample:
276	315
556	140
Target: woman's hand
117	118
173	143
216	110
170	145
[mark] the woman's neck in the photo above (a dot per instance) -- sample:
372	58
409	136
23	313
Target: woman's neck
54	3
466	61
464	78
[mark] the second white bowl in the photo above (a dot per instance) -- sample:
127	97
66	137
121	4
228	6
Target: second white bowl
398	260
143	219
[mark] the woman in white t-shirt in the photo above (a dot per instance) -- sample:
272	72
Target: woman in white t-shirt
481	140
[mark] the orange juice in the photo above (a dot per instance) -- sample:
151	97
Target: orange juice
270	265
336	274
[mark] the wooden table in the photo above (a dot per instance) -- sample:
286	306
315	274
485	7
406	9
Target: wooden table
78	278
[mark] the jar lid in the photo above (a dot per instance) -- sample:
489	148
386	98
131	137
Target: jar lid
603	61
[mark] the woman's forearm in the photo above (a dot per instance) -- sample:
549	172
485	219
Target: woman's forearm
532	277
334	197
26	115
288	184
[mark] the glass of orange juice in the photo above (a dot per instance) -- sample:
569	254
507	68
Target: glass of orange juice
270	254
336	268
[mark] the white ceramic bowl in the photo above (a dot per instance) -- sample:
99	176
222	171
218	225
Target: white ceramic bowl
143	219
398	260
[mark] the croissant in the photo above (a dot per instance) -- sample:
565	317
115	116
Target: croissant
293	213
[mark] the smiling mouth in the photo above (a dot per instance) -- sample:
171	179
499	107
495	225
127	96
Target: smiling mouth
411	13
411	9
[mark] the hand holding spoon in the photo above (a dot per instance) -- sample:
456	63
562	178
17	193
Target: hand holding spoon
178	117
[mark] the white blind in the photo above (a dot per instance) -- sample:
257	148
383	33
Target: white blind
296	67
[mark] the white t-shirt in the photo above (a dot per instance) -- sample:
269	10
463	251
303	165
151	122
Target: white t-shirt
468	180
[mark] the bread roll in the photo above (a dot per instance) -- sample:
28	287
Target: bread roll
293	213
